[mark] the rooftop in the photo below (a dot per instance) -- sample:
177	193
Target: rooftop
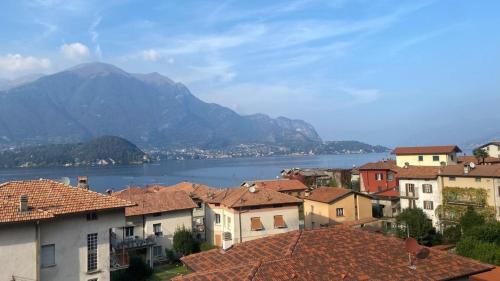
279	184
380	165
411	150
492	171
473	159
418	172
150	201
194	190
49	199
334	253
330	194
243	197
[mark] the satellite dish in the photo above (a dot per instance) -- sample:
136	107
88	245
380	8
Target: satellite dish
472	165
65	180
412	245
423	253
251	189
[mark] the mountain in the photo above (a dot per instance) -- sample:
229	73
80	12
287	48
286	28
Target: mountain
343	147
6	84
100	151
96	99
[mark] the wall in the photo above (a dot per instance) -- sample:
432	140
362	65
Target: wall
290	215
493	150
69	234
170	221
370	184
435	197
18	251
316	214
427	161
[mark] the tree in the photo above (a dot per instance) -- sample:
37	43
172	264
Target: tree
419	226
481	242
470	219
137	270
184	243
480	155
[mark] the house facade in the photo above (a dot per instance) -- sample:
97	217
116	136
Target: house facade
426	155
151	224
325	206
52	231
419	188
493	148
378	176
241	214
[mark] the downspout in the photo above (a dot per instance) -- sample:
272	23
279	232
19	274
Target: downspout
37	242
239	214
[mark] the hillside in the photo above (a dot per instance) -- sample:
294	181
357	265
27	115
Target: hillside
107	150
348	147
96	99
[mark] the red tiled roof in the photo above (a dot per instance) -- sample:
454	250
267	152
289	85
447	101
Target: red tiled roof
380	165
492	171
48	199
242	197
335	253
393	192
329	194
194	190
150	201
473	159
418	172
493	275
281	185
410	150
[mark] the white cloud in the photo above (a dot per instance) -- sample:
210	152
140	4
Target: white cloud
75	51
94	35
150	55
12	65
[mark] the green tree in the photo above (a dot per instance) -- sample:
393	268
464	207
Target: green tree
184	243
419	226
480	155
470	219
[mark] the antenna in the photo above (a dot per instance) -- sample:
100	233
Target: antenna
65	180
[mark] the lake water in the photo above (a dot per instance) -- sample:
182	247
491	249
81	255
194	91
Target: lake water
212	172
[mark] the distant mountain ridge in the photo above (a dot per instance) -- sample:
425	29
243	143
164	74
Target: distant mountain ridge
97	99
348	147
106	150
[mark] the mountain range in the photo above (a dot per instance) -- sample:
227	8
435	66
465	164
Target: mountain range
151	110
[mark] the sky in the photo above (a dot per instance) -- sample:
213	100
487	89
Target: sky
380	71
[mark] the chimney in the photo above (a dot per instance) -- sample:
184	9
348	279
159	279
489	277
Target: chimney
23	204
466	169
83	182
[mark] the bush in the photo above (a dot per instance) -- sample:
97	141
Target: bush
205	246
451	235
470	219
137	270
483	251
171	256
184	243
420	227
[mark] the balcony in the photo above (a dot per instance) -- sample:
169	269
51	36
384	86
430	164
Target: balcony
134	242
408	194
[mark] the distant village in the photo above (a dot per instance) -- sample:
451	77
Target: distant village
310	224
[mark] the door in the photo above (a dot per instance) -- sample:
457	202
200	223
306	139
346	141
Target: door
218	240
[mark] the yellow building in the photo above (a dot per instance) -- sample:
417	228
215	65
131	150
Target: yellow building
426	155
469	185
329	205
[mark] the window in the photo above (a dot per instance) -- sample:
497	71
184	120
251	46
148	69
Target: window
48	255
340	212
93	279
478	179
91	251
420	158
199	204
410	188
157	251
157	229
412	204
435	158
256	224
279	222
452	178
129	231
428	205
390	176
379	176
92	216
427	188
217	218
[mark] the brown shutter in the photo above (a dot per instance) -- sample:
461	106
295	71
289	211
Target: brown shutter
279	222
256	224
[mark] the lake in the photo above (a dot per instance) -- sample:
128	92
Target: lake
213	172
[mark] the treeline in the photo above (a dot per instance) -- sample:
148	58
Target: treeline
342	147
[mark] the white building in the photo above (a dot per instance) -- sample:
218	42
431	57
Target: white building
241	214
419	188
54	232
493	148
151	224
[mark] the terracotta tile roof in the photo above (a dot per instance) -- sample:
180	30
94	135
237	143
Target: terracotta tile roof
391	193
473	159
418	172
330	194
493	275
151	201
492	171
242	197
48	199
410	150
194	190
279	185
335	253
380	165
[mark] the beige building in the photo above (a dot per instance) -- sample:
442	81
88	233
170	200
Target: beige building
329	205
469	185
426	155
493	148
54	232
241	214
151	224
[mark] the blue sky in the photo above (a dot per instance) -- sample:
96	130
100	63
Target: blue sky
385	72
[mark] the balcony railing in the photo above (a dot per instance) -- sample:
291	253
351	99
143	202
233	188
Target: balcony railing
133	242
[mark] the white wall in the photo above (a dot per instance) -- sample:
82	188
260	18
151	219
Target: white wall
69	234
435	196
170	221
493	150
18	251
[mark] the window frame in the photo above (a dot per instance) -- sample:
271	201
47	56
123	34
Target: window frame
477	179
251	224
155	248
47	246
420	158
424	188
341	211
217	218
92	216
377	176
452	178
435	158
92	251
157	233
127	231
282	218
426	205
